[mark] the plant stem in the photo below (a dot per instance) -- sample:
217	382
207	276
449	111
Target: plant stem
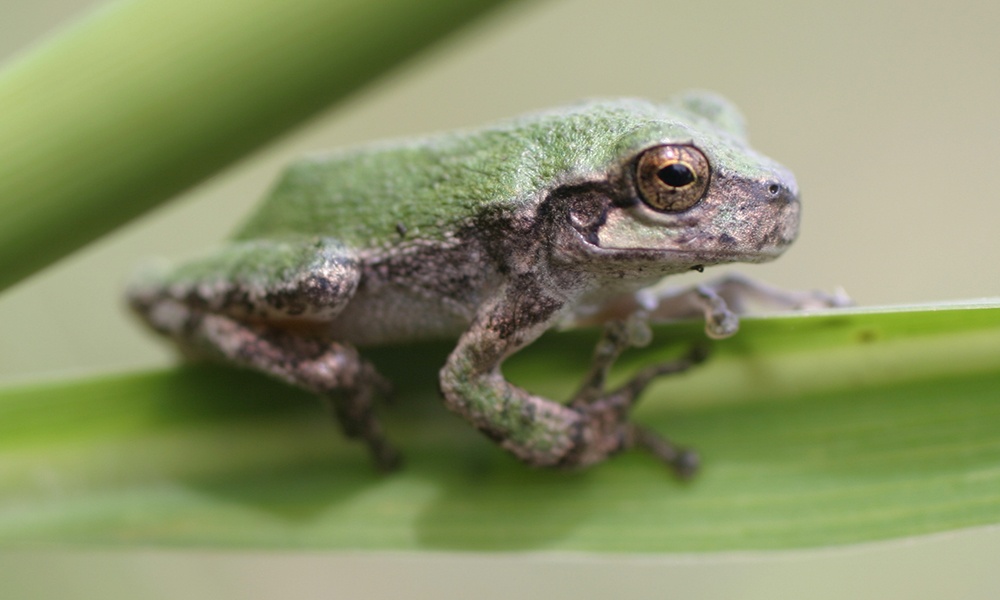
146	97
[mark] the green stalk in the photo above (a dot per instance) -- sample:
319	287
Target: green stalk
146	97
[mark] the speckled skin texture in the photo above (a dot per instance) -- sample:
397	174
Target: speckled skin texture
491	237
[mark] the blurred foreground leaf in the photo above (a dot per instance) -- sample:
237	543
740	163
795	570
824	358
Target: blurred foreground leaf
814	430
144	98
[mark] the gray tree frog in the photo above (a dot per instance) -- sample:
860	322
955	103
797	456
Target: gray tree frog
491	237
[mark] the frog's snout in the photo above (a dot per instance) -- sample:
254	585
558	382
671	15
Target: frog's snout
776	222
785	225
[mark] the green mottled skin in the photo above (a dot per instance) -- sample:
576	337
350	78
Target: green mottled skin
359	196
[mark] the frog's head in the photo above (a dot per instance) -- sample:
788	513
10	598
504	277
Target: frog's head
683	190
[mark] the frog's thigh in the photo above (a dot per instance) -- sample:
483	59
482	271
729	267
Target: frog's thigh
263	305
330	369
256	280
258	304
327	368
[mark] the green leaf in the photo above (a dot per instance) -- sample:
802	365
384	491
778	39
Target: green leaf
146	97
814	430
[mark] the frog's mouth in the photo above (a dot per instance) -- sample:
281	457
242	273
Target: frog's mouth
622	230
710	233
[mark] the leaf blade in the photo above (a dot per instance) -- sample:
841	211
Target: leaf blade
208	457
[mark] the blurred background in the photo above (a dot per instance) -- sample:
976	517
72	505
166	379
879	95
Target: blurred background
886	111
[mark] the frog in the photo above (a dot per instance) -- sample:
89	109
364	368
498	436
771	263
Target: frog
490	237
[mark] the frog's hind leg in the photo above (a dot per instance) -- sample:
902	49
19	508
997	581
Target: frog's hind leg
329	369
265	306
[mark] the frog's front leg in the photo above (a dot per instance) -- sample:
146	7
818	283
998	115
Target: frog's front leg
266	306
616	337
539	431
719	301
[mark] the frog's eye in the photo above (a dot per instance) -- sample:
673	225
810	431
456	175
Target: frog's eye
672	178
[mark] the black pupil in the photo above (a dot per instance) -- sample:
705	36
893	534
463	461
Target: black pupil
675	175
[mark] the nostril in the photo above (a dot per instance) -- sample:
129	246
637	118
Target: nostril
776	191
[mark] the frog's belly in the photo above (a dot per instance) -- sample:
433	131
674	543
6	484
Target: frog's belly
396	318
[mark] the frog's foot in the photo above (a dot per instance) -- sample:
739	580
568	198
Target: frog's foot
335	372
354	409
740	292
719	302
332	370
605	413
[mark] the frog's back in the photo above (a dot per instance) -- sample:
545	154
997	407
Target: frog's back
380	193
